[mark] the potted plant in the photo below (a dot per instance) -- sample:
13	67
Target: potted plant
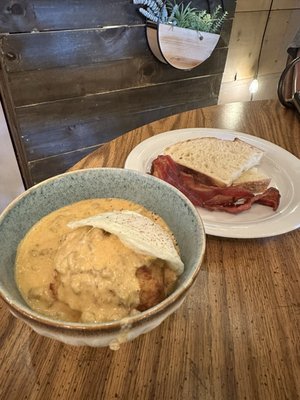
180	35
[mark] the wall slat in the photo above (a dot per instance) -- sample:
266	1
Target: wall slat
245	45
46	50
46	167
63	126
274	51
285	4
49	15
46	85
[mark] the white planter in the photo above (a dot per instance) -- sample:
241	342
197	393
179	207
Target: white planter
180	47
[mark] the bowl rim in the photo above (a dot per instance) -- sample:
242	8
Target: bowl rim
178	293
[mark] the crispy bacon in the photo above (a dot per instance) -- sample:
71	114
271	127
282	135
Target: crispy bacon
230	199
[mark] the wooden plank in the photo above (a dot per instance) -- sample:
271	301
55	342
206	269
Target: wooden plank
239	90
54	84
286	4
50	166
274	51
260	5
45	15
47	50
47	167
253	5
244	45
234	91
63	126
267	87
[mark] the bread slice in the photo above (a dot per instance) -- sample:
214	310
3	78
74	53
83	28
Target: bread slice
222	161
253	180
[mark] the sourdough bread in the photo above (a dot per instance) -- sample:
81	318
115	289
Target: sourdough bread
253	180
222	161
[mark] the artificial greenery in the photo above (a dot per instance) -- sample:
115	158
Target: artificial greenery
183	16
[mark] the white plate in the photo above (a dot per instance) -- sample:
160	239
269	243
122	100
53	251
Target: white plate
259	221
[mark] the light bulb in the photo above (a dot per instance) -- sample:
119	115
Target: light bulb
253	86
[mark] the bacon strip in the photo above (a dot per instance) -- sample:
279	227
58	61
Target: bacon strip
230	199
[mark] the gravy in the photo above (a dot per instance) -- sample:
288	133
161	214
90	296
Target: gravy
83	274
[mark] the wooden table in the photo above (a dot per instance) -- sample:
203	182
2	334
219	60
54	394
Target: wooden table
235	337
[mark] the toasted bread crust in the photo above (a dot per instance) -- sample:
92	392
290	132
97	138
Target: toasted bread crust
255	186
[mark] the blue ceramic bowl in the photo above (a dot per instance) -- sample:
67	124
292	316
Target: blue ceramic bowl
152	193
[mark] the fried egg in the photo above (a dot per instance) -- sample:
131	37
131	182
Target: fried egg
139	233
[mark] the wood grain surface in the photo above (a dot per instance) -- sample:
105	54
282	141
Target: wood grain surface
235	337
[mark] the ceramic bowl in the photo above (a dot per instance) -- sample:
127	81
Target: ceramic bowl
56	192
